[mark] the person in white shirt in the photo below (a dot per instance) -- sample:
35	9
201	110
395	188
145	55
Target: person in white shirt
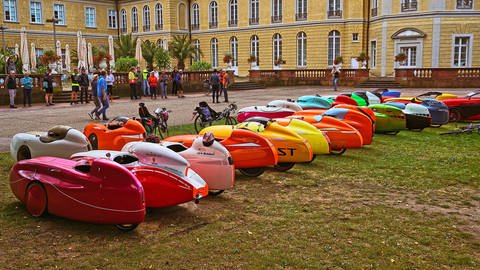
110	80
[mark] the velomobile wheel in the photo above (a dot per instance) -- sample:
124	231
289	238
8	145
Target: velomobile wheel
216	192
454	115
252	172
36	199
392	132
23	153
93	141
283	167
126	227
199	124
163	131
436	125
313	158
338	152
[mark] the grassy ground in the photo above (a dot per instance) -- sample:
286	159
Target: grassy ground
410	201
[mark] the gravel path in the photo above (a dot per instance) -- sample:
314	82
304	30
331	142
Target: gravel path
41	118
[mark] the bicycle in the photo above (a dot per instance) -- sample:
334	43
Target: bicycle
155	123
469	129
205	116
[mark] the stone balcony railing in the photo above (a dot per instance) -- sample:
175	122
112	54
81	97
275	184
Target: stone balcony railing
438	77
287	77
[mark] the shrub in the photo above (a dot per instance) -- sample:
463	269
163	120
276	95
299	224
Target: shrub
162	58
124	64
200	66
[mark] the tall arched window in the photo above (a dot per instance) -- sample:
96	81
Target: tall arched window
255	48
333	46
213	15
196	45
277	7
334	9
123	21
134	20
160	43
234	50
214	52
254	10
301	49
146	18
277	49
195	17
158	17
182	16
301	10
233	13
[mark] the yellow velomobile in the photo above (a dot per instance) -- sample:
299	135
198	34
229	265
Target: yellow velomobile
317	139
291	147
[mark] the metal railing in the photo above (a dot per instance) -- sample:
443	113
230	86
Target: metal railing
134	29
212	25
302	16
146	28
158	26
232	23
277	19
195	26
409	6
254	21
334	13
374	11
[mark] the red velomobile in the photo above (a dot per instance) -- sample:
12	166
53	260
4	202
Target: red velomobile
356	119
114	135
251	153
96	191
466	108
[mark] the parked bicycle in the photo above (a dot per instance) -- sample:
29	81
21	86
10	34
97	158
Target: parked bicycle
469	129
206	116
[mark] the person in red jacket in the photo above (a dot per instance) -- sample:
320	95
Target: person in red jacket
153	81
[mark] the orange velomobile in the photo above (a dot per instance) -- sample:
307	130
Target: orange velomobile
114	135
250	152
342	135
365	110
356	119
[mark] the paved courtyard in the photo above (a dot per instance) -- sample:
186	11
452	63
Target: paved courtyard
41	118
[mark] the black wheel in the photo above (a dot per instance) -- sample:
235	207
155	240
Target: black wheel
283	167
162	131
252	172
230	120
338	152
23	153
454	115
36	199
392	132
199	124
313	158
436	125
126	227
215	192
93	141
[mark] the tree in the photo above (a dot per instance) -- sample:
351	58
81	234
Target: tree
149	49
125	46
182	48
162	59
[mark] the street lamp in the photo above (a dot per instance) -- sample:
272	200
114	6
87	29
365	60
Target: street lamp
54	21
3	28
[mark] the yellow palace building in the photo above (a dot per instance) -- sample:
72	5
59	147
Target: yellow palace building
286	34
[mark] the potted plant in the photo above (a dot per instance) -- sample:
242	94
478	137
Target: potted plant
227	58
252	60
50	58
102	59
339	60
400	58
279	61
363	58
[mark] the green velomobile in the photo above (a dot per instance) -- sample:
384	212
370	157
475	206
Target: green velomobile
390	119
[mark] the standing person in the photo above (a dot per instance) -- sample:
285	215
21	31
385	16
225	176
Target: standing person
95	98
139	77
132	81
221	74
84	82
226	82
335	74
102	95
215	83
110	80
173	75
27	83
48	86
153	81
163	84
75	87
11	84
145	84
178	82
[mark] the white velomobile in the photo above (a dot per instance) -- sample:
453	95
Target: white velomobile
210	159
285	104
59	141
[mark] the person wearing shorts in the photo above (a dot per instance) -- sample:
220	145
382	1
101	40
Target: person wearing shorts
110	80
48	86
75	87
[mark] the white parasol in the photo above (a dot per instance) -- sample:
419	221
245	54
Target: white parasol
59	54
138	52
79	50
84	53
67	58
33	57
111	50
90	56
17	50
24	50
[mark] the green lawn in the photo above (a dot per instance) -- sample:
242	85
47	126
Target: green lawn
410	201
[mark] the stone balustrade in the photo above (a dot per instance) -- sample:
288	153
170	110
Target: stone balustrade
438	77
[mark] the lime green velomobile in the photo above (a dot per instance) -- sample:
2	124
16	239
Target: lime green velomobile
291	147
389	119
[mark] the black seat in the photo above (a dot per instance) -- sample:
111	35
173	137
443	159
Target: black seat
55	133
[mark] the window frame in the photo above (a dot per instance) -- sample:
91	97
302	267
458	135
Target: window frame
213	15
466	7
233	47
301	11
134	19
158	16
254	12
355	37
40	21
94	16
196	45
408	5
123	21
112	20
63	21
146	19
255	48
214	52
373	53
277	52
15	9
301	52
469	50
277	11
233	13
334	46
